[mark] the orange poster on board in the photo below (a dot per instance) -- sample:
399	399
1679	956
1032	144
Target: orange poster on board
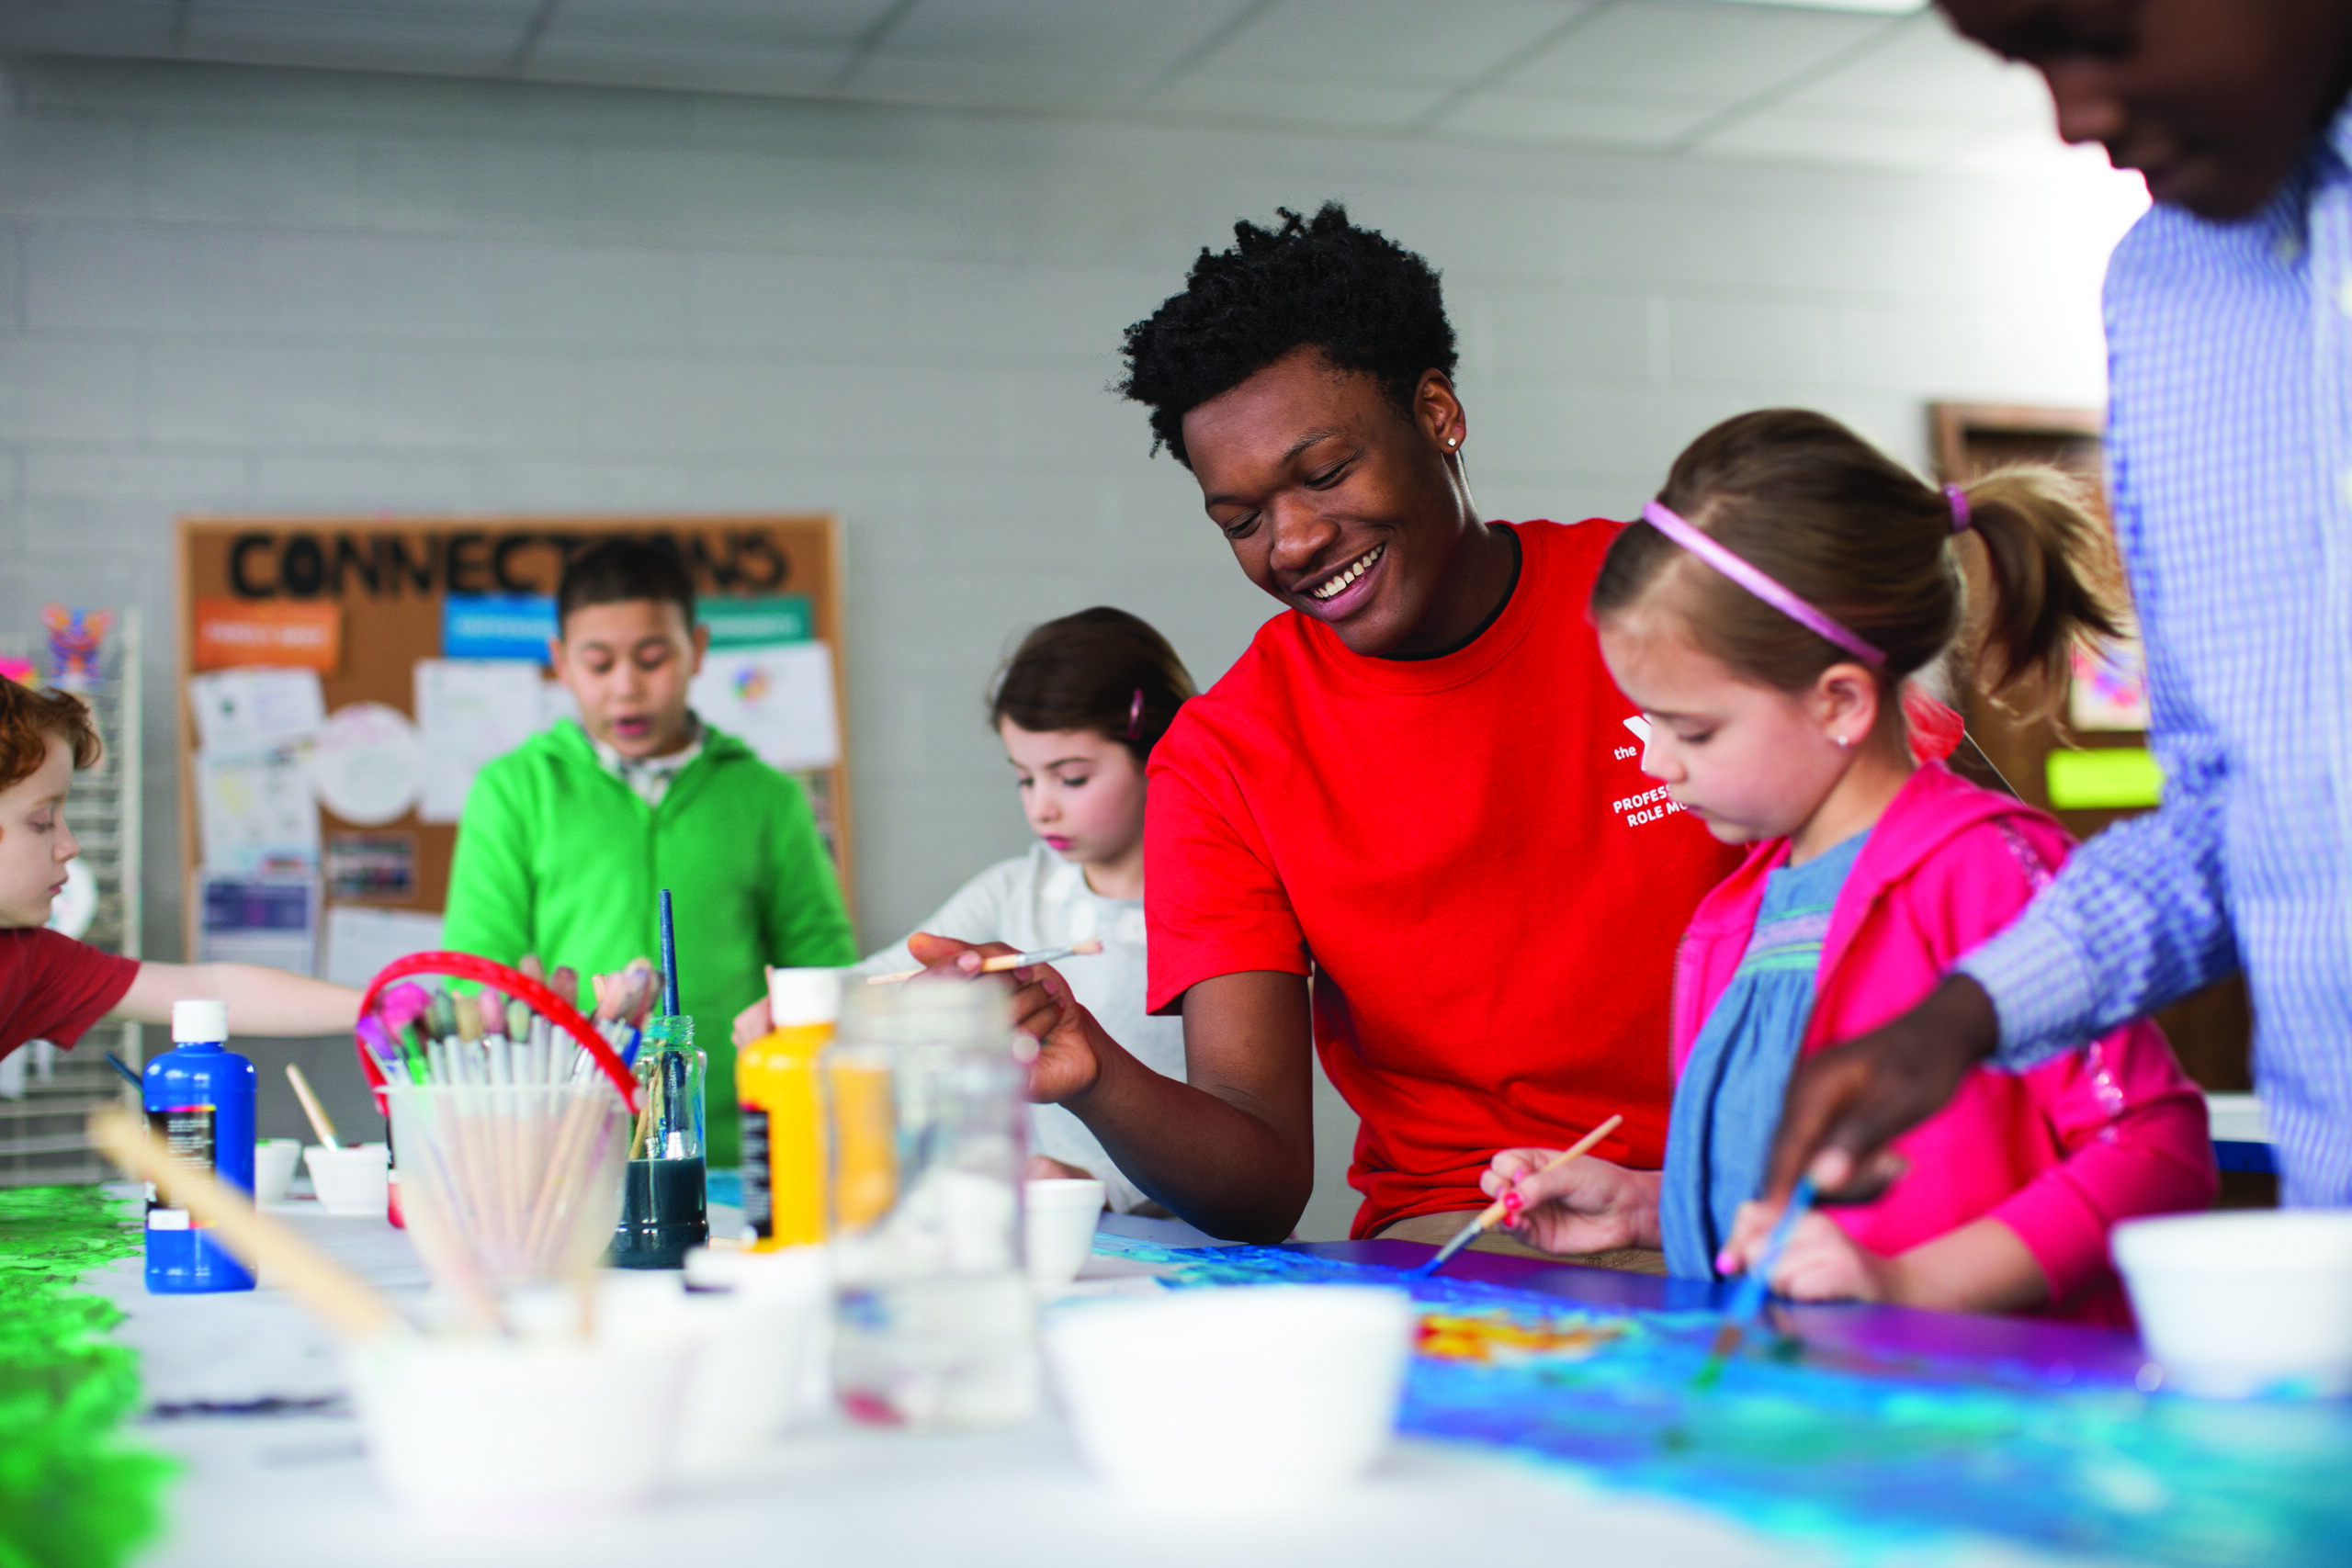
231	632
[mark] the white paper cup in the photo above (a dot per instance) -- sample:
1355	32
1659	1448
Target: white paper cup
2244	1301
353	1181
489	1435
1061	1216
1249	1397
274	1162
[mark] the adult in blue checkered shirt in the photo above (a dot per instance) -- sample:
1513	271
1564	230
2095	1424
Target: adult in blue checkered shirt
2228	321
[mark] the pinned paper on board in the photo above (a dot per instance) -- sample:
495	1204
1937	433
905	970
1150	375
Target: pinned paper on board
380	867
254	811
271	920
469	711
361	941
248	709
230	633
364	763
779	701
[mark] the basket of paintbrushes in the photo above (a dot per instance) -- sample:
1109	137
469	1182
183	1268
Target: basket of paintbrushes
512	1118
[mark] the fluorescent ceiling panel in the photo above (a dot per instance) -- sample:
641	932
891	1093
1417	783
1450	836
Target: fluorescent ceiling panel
1449	43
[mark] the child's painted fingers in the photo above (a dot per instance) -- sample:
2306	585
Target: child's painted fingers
932	950
533	966
1508	1166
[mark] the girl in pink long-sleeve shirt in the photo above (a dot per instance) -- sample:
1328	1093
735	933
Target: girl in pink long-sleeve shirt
1764	617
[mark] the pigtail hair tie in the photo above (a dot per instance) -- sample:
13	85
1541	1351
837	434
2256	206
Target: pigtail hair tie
1962	520
1135	716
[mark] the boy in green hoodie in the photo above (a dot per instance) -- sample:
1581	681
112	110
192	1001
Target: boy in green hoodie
566	839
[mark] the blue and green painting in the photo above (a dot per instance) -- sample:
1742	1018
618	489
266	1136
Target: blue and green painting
1868	1456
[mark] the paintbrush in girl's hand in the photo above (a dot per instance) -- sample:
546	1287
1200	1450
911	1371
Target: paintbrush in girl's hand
1746	1302
1494	1212
1004	961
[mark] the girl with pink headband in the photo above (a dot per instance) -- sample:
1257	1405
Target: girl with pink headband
1765	616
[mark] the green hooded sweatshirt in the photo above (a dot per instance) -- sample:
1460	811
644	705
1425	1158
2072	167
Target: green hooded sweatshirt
558	857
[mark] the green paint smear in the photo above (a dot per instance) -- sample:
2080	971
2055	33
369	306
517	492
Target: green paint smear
73	1492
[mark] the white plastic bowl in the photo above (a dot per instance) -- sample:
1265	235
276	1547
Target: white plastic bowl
797	1284
1240	1397
1060	1217
274	1162
486	1436
355	1180
2246	1301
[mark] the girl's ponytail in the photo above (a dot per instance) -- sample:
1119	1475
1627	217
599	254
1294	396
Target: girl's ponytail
2054	582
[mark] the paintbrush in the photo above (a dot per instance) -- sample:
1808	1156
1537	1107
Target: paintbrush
1492	1214
669	959
347	1305
1004	961
118	1064
1746	1302
311	1108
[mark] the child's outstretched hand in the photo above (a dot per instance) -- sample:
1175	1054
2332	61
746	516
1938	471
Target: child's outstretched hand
1820	1263
1585	1205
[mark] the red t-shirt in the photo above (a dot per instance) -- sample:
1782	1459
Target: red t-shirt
1465	851
53	987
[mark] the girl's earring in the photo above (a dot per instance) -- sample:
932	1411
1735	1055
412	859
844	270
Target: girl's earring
1454	441
1844	742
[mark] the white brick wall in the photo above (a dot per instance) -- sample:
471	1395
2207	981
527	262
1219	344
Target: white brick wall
226	290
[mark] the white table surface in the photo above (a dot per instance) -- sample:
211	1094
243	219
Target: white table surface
294	1489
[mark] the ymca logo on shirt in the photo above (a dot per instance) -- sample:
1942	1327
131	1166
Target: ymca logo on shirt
1651	804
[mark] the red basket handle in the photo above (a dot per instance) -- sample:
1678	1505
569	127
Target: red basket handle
513	982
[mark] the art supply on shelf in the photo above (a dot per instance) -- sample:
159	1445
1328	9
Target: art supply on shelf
1003	961
783	1126
311	1108
665	1202
227	1216
200	1100
1495	1213
1748	1296
934	1323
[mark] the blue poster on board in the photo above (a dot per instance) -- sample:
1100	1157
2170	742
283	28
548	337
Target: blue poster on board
497	625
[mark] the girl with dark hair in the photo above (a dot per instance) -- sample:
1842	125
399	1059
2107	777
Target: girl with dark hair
1079	707
1766	616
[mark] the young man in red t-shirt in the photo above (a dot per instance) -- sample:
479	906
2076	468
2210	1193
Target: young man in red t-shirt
1419	788
53	987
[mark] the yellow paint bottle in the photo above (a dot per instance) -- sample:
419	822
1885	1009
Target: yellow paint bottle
784	1118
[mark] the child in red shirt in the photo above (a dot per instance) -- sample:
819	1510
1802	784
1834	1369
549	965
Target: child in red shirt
53	987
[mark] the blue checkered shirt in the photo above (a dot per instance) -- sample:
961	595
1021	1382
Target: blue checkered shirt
2230	458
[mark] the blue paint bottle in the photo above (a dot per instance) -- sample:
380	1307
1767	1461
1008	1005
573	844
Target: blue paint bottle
200	1100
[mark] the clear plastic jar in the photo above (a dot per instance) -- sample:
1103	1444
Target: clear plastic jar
665	1208
927	1119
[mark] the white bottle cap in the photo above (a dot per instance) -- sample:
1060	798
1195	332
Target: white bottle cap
199	1021
800	997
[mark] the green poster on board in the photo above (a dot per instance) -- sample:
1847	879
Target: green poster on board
758	622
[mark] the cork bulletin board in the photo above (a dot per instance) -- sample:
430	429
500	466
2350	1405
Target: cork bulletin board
362	601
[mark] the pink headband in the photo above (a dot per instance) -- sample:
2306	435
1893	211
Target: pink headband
1659	517
1135	716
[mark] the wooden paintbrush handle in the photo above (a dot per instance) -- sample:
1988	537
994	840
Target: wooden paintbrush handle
1493	1213
343	1301
311	1107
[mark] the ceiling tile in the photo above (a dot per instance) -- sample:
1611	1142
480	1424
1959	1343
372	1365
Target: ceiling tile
1446	43
687	64
87	27
1037	53
1646	120
1694	48
447	38
1924	68
806	24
